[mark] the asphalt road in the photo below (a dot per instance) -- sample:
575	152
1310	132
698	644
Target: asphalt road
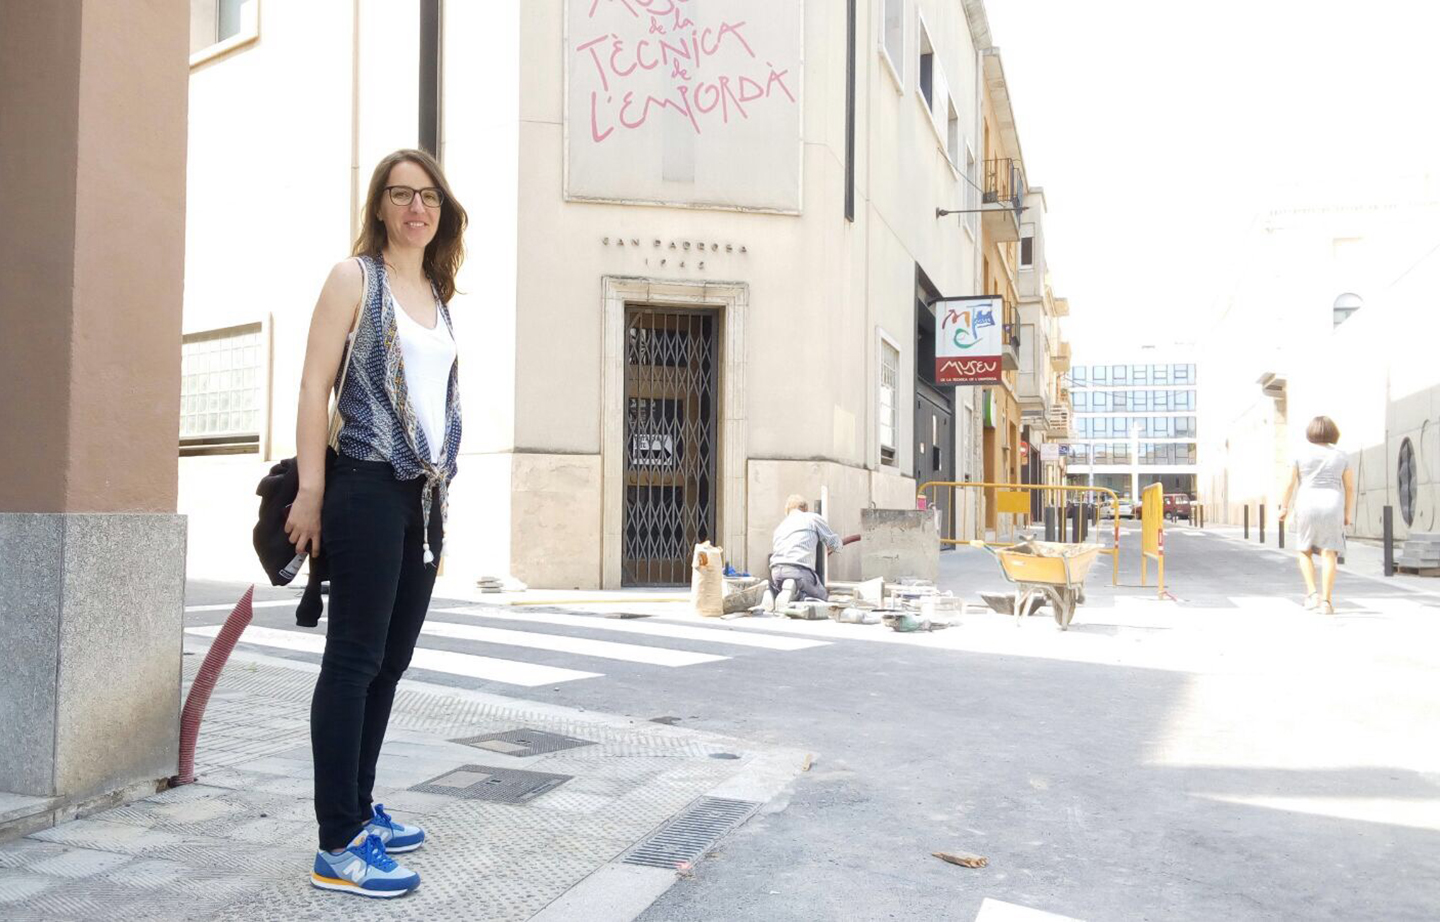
1223	755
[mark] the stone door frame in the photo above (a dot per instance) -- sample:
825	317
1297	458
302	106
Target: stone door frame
730	301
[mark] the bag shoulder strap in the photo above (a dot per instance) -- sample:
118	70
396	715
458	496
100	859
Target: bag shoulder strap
336	422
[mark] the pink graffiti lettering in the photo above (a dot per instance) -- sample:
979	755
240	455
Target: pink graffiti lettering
778	77
756	91
625	3
731	88
596	134
652	9
590	47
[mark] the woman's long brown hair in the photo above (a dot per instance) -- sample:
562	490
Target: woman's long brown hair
445	253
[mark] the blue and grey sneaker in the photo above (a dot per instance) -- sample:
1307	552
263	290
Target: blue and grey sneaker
363	869
398	837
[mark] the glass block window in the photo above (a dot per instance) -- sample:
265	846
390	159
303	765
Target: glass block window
222	376
889	415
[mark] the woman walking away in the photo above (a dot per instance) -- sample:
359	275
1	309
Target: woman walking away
378	496
1323	508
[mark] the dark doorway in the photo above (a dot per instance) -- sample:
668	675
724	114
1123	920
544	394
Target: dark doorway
935	455
1032	471
671	440
934	411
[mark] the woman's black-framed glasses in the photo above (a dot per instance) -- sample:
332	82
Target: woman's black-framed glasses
430	196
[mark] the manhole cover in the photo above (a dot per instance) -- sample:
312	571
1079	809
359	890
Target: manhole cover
691	834
484	782
524	742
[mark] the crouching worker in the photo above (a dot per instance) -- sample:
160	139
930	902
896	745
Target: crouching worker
792	557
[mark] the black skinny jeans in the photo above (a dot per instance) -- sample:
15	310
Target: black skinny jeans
379	592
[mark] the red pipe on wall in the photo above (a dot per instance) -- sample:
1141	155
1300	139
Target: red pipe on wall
215	659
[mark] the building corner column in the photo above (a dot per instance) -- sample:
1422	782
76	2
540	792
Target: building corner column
92	554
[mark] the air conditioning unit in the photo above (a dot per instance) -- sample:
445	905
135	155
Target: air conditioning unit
1271	384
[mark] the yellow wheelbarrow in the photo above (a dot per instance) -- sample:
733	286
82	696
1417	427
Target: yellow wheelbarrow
1046	570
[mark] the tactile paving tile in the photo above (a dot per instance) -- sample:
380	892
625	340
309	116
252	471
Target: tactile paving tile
80	862
18	885
22	853
573	802
149	872
205	851
104	835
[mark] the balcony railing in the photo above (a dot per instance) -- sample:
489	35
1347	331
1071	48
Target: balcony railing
1010	348
1004	187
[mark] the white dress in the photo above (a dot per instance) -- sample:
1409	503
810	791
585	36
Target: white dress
1320	503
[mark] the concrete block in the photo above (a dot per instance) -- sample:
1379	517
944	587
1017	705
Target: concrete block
899	544
120	647
91	611
555	516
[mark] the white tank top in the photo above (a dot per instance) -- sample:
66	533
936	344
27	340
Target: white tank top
429	355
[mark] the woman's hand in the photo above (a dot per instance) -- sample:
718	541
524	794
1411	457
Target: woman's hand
1348	521
302	526
1284	512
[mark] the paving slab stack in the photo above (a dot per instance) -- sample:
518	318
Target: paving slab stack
1421	551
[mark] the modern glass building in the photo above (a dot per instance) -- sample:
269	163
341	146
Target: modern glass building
1134	425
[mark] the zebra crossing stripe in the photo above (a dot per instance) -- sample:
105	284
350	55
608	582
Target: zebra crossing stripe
267	603
582	646
993	910
648	628
506	672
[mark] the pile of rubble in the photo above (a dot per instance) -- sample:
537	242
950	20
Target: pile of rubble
905	606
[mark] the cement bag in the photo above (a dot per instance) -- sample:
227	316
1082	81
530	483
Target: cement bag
707	580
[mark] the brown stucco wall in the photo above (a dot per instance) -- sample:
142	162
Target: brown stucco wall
39	98
92	132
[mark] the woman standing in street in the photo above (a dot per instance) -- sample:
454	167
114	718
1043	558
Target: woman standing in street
1323	508
378	496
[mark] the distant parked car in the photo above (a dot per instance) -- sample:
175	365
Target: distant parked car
1177	506
1127	509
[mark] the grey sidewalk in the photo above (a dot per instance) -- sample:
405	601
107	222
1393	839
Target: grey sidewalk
1363	557
239	843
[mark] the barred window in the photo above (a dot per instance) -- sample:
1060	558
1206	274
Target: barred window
222	376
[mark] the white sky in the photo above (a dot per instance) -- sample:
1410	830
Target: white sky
1160	129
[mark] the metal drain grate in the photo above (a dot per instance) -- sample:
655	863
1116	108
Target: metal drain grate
502	785
524	742
684	839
